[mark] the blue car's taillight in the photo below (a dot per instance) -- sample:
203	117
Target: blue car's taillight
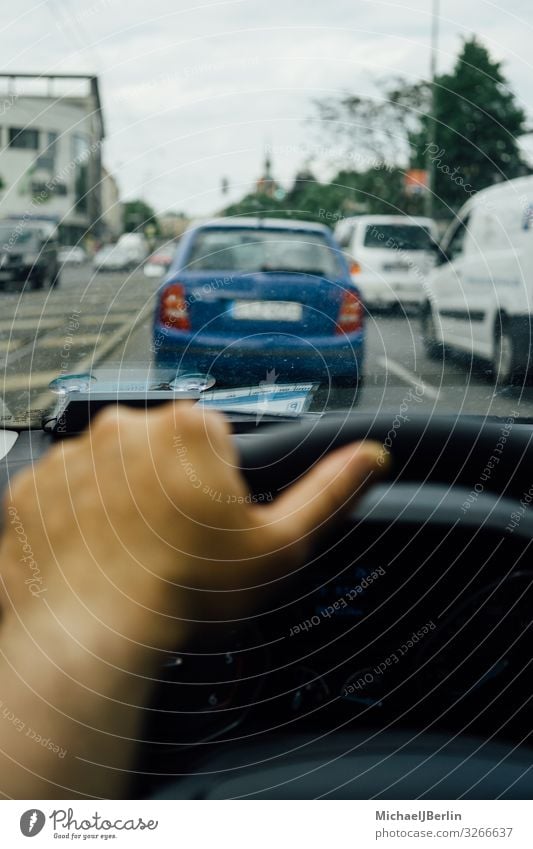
174	313
350	313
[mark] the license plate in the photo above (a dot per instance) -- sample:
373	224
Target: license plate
406	287
396	266
267	310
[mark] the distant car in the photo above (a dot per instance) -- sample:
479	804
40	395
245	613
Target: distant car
260	300
135	246
72	255
159	261
389	256
28	254
112	258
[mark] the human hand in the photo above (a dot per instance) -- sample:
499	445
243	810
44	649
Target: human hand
143	524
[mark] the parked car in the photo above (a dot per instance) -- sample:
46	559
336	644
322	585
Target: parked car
389	256
112	258
254	299
480	295
29	254
159	261
72	255
135	246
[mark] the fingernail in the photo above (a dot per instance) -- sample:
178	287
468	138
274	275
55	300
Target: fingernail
373	456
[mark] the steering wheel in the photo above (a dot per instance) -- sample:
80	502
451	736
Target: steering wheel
448	450
436	463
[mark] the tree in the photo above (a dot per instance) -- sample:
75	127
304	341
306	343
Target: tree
374	190
373	131
474	141
137	215
256	204
349	193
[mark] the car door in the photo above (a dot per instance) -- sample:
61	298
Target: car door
450	299
345	240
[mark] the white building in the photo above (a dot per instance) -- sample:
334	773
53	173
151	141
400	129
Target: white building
172	224
51	134
112	212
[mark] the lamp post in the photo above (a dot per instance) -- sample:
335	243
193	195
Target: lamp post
430	165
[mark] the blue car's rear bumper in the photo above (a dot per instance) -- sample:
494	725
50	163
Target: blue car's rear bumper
238	361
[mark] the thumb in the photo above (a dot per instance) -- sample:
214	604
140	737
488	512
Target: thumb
324	494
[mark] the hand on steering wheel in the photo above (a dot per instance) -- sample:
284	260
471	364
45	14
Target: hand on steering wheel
145	523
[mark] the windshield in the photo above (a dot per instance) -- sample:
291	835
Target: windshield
262	250
203	176
10	236
397	237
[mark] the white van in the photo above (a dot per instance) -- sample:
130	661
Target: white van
389	256
480	294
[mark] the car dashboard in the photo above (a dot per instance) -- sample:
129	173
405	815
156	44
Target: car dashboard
399	628
412	617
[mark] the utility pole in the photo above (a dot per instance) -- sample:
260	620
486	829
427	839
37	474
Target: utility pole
430	165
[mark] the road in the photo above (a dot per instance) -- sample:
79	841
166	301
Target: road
104	321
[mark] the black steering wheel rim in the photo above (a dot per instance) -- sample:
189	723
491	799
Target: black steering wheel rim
491	456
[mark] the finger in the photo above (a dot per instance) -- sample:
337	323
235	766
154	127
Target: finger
196	424
325	493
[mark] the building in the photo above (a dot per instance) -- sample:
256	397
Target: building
266	185
51	134
172	224
112	211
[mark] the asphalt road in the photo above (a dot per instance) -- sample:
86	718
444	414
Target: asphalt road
105	320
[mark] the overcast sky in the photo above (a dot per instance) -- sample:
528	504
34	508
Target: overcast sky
193	92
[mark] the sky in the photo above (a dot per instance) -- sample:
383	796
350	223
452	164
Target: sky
194	92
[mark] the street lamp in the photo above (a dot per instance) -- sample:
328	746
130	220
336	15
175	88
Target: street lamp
430	163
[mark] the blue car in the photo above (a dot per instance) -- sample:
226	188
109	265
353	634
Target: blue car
246	300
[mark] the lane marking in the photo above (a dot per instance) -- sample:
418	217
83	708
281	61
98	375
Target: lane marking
28	324
78	340
14	354
7	345
409	377
103	320
87	363
35	380
64	313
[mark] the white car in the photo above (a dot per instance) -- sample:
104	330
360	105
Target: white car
480	295
72	255
135	246
389	256
113	258
159	261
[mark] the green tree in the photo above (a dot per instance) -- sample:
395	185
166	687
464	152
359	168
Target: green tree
375	190
256	204
137	214
474	140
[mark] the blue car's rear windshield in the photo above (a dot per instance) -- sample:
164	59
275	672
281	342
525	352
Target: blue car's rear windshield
263	249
